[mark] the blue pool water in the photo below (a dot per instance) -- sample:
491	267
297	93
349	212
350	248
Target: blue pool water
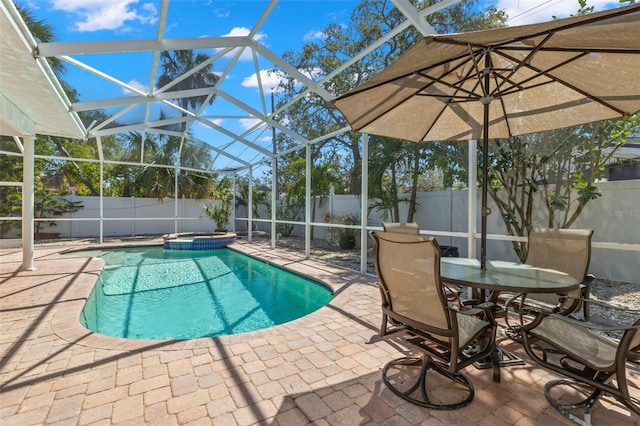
152	293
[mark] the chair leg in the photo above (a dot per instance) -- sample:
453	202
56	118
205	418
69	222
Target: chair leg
383	328
416	393
495	365
565	409
592	396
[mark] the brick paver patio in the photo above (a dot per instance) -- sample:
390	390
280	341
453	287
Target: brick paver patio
321	369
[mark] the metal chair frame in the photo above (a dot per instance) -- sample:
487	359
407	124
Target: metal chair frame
590	361
448	339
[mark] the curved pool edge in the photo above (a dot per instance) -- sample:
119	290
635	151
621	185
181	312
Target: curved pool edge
65	323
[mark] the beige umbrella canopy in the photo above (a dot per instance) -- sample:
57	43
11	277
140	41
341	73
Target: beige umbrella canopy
505	82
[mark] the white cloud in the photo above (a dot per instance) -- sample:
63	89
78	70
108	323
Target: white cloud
270	80
524	12
243	32
96	15
247	123
135	84
203	126
314	35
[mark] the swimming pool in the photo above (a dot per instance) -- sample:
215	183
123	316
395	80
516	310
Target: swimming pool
152	293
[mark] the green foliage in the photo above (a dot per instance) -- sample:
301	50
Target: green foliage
287	211
175	63
400	167
219	208
48	203
10	206
343	236
561	166
260	196
313	117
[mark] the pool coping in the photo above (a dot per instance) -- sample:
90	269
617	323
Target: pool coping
66	324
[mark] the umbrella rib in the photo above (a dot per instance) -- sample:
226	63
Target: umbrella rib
485	53
457	87
519	64
504	45
587	21
515	86
566	83
432	81
630	51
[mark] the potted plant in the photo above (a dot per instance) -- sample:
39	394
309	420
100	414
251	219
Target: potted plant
345	237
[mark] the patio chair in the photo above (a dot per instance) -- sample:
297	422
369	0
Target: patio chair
593	364
565	250
404	228
414	301
453	292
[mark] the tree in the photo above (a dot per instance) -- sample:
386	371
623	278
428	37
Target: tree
398	167
159	182
558	168
323	177
385	156
312	116
48	203
174	64
260	196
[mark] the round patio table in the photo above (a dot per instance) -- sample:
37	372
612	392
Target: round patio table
504	276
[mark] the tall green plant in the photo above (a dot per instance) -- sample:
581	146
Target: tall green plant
219	208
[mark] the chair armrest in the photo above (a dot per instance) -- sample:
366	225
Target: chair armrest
592	326
539	316
588	279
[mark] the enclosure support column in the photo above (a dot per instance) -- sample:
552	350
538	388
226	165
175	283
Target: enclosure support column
307	204
472	200
28	188
274	200
274	178
101	212
364	238
175	200
101	203
233	203
250	205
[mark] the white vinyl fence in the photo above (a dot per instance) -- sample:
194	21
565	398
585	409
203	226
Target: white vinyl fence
614	217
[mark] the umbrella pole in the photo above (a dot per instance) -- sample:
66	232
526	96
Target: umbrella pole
486	100
485	209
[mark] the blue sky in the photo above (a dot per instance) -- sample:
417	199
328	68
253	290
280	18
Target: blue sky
289	25
292	23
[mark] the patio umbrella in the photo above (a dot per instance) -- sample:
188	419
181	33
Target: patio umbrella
504	82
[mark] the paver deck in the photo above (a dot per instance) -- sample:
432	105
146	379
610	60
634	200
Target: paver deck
323	369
